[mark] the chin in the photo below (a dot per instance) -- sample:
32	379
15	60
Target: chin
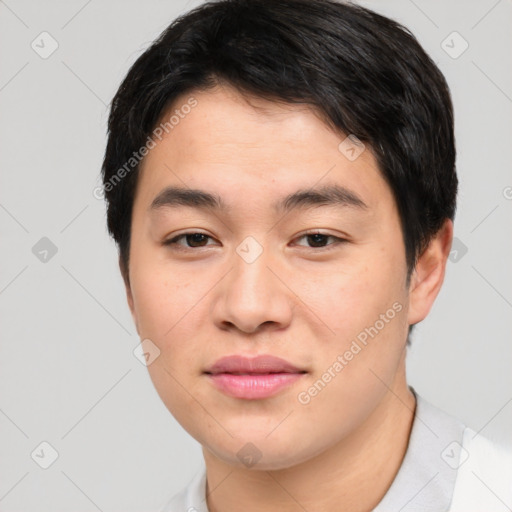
258	451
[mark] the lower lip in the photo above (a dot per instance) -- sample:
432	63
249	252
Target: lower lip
253	387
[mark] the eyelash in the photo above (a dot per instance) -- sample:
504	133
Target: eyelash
173	242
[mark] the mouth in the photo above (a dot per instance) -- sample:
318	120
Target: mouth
253	378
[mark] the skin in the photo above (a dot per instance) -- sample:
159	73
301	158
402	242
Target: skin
297	301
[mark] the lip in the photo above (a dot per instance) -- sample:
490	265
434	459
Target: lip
253	378
258	364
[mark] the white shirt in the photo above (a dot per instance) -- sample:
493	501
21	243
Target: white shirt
447	467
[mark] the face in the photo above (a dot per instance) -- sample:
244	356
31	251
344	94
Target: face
273	270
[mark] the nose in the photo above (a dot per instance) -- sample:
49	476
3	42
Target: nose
253	296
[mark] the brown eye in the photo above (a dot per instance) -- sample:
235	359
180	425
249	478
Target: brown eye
319	240
192	240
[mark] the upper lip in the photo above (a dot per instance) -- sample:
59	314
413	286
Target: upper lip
259	364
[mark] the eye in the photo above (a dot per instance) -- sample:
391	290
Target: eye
319	240
193	238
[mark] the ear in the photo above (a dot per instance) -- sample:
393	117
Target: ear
428	275
129	295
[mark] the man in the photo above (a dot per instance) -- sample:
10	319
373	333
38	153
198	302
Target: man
281	184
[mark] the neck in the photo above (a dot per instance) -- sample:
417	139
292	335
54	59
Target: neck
353	475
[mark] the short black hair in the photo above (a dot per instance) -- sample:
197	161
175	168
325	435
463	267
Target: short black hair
365	74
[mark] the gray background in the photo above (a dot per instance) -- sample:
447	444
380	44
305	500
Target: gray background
68	375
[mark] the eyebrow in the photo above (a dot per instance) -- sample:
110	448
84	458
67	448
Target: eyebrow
327	195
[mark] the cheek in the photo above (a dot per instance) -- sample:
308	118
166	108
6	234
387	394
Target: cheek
365	309
171	314
353	297
162	300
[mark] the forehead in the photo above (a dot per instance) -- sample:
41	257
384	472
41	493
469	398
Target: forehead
255	149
